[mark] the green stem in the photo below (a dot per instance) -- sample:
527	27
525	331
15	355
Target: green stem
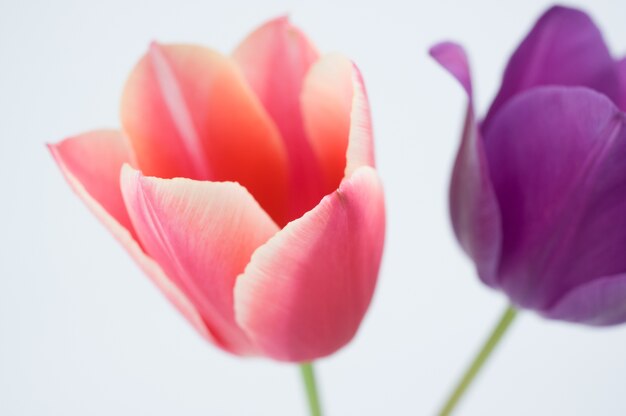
308	376
485	352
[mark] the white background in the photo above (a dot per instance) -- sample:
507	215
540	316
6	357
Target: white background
83	332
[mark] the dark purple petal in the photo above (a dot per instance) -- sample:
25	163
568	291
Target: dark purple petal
599	302
473	206
564	48
621	70
557	158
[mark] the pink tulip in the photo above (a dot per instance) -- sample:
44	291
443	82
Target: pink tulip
245	188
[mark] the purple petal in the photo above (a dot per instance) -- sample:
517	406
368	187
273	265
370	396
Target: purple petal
557	164
453	58
564	48
473	206
621	71
600	302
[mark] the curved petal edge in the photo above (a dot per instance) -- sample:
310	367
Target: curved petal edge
305	292
93	160
360	150
327	100
599	303
564	47
202	234
474	208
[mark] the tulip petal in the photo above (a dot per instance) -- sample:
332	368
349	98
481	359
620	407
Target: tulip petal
305	291
275	60
337	118
360	150
202	234
599	302
326	101
91	164
557	164
454	59
189	113
621	69
473	206
564	47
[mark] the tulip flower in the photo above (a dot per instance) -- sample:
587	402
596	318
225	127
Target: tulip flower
244	187
538	190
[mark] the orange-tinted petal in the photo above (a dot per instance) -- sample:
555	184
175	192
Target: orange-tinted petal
326	100
189	113
275	60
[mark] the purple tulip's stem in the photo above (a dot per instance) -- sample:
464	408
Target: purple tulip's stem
485	352
308	376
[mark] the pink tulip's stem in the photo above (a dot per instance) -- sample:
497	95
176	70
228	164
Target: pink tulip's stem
485	352
308	376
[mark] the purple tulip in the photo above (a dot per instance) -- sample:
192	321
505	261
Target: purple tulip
538	191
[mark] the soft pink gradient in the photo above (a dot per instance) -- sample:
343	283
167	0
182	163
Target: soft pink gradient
245	188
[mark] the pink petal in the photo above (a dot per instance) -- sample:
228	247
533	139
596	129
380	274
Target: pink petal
202	234
305	292
326	105
91	164
361	140
189	113
474	208
337	118
275	60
